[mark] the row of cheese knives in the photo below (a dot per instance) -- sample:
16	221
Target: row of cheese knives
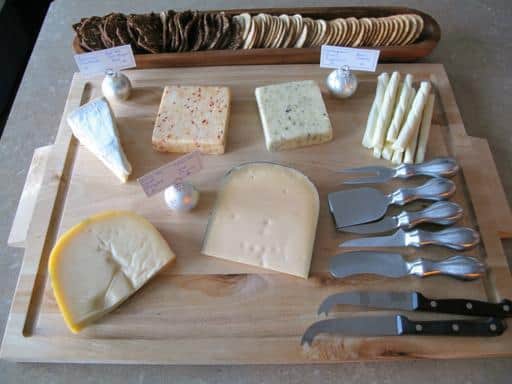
360	211
398	325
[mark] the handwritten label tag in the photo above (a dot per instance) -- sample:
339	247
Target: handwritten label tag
172	173
356	59
94	63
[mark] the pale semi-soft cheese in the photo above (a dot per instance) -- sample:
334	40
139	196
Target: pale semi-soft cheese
100	262
94	125
293	115
192	117
265	215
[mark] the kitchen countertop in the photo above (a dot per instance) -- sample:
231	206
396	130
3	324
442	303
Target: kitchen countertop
476	51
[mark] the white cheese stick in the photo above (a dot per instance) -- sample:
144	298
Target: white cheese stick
426	123
400	109
397	157
382	83
412	122
377	153
386	111
387	152
410	150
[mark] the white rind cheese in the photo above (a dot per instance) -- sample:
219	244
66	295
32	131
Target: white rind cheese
265	215
94	125
293	115
100	262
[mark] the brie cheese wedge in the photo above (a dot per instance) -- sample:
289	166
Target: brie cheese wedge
94	125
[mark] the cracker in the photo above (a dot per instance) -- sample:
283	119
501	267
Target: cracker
361	34
297	21
289	31
251	36
368	32
419	30
344	32
310	23
353	28
299	43
322	25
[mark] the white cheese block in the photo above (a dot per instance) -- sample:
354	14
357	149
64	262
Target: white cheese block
265	215
94	125
293	115
100	262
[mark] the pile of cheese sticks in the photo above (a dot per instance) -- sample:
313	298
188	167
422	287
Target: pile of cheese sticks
399	121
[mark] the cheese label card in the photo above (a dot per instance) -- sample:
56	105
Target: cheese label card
98	62
355	58
171	173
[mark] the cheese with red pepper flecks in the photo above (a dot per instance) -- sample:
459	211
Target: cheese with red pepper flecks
192	118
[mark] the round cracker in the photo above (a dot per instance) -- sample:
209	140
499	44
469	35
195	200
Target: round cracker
412	31
394	31
278	32
245	20
354	30
374	33
261	29
368	32
270	31
335	28
342	25
404	29
248	42
322	30
330	35
299	43
361	35
387	31
310	23
398	30
419	29
296	22
288	31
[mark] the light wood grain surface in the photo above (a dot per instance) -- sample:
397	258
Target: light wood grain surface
208	311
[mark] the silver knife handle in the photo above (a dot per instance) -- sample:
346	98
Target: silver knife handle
458	266
441	212
458	238
440	167
435	189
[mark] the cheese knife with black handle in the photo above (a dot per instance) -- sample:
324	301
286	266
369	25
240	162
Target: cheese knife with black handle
415	301
398	325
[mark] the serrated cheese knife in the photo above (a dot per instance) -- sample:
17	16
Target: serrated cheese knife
415	301
394	265
398	325
363	205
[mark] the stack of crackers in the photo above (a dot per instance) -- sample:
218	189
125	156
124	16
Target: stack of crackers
171	31
270	31
168	31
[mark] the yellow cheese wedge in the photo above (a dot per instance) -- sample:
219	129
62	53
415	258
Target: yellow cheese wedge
100	262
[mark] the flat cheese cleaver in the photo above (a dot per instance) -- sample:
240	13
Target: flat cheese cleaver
363	205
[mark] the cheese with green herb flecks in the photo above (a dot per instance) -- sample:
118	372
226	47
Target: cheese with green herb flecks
293	115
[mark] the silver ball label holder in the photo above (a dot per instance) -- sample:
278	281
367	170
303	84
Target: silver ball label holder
116	85
341	82
181	197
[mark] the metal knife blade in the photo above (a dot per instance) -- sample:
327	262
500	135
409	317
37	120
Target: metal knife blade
359	262
398	325
357	206
415	301
397	239
405	301
386	224
354	326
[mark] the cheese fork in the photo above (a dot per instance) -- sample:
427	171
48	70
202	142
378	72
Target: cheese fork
440	167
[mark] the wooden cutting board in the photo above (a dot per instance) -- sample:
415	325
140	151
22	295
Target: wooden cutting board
208	311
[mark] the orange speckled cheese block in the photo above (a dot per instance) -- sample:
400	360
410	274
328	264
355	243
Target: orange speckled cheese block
192	117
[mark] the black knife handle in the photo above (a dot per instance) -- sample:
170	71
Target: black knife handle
489	327
464	307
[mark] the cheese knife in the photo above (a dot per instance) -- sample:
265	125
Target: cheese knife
363	205
441	212
458	238
415	301
440	167
398	325
394	265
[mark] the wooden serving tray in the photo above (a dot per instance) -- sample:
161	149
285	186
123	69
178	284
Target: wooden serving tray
425	44
205	310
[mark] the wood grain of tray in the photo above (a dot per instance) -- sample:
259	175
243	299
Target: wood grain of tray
208	311
426	42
